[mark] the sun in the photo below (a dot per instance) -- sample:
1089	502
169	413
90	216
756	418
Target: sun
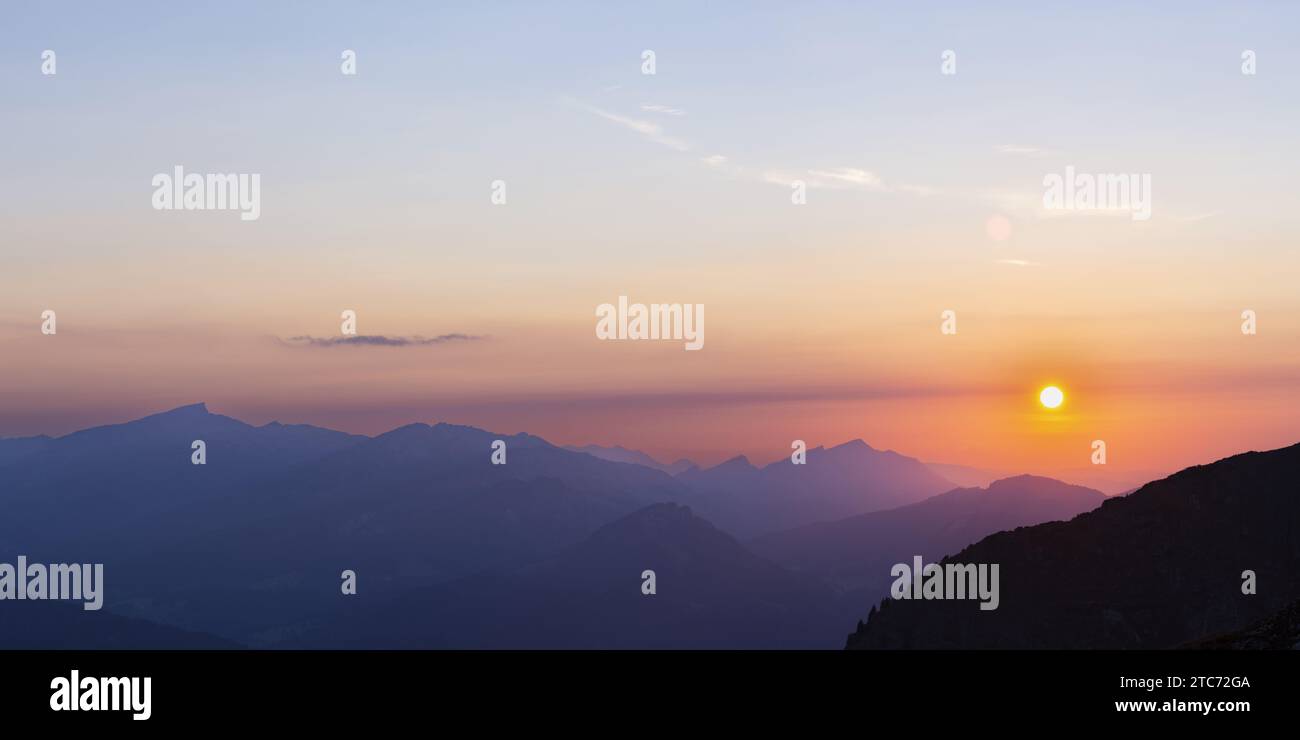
1051	397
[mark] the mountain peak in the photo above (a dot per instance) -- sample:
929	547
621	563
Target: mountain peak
1021	477
739	461
193	408
406	430
1037	484
190	411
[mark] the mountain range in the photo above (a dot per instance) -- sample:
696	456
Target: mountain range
852	478
548	549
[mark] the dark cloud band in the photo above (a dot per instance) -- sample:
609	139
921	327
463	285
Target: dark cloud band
378	340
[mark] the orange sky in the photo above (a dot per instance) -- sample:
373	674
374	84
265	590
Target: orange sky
823	319
1163	390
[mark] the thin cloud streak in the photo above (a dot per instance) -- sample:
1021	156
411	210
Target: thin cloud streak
831	179
378	340
667	110
650	130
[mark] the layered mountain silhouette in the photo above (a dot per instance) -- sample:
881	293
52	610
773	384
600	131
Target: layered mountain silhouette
83	489
841	481
547	550
258	536
856	554
1157	568
710	592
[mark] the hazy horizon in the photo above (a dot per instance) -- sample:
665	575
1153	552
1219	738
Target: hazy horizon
1110	483
924	195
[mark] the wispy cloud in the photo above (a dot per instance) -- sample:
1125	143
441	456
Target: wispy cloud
379	340
1018	263
850	176
649	129
843	178
664	109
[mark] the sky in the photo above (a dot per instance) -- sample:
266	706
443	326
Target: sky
924	194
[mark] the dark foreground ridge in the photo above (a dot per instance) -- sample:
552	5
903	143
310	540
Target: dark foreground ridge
1155	569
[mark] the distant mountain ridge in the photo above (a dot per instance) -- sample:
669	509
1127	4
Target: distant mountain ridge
856	553
634	457
81	487
848	479
17	448
278	511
